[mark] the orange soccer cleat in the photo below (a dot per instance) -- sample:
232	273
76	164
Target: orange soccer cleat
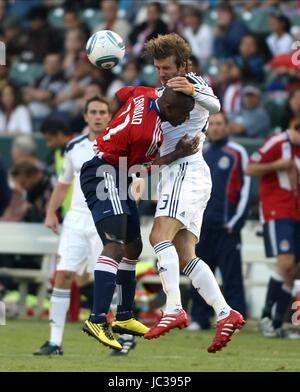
225	329
166	323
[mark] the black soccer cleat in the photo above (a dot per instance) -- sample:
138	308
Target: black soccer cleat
49	349
127	344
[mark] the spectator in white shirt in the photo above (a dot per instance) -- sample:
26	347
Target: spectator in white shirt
280	41
14	116
199	35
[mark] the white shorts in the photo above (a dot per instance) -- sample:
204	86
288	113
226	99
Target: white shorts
79	242
183	191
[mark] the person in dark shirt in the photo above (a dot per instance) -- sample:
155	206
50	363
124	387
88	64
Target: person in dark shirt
5	192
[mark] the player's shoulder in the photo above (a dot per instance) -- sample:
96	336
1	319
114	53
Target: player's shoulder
238	148
274	140
76	142
196	79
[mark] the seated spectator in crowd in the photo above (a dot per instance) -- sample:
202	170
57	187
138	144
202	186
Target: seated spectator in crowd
5	192
147	30
4	71
64	102
41	95
280	40
252	120
72	22
14	115
174	17
129	77
292	110
35	181
41	38
229	32
232	94
74	43
109	9
222	80
24	149
251	59
12	37
199	35
78	124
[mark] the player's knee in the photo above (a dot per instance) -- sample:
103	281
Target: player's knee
285	265
64	279
155	237
134	249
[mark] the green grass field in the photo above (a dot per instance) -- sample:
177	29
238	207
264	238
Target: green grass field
177	351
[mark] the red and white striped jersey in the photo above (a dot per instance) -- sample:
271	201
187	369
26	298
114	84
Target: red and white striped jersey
279	191
135	130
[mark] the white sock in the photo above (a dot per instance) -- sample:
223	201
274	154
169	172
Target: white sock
205	283
60	302
168	269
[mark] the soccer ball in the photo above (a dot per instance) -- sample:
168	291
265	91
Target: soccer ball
105	49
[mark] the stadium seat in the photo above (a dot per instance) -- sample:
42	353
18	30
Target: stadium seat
91	17
276	111
148	75
23	74
56	18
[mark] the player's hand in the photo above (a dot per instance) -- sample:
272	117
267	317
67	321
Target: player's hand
180	83
283	164
186	146
52	223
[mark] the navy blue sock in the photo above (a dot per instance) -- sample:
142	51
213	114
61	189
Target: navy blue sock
126	284
273	292
104	287
283	302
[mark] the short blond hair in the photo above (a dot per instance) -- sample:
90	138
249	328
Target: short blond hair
169	45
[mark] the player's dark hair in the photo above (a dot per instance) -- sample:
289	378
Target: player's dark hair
96	98
25	168
54	126
224	115
225	6
168	45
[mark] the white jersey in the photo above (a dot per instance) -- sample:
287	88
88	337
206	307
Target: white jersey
205	103
78	151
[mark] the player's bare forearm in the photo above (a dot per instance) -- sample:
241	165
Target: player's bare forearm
57	197
261	169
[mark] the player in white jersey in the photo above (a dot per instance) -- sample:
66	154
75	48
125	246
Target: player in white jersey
79	241
184	191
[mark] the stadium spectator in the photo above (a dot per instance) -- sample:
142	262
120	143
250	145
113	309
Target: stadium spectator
109	9
24	149
74	43
129	77
65	99
174	17
14	115
222	80
72	21
224	217
41	38
275	162
233	93
251	59
198	34
13	37
41	95
280	41
5	192
252	120
143	32
35	181
4	71
229	32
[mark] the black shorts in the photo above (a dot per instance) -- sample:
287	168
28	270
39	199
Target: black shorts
114	211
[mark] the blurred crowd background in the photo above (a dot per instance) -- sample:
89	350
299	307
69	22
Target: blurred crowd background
246	50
